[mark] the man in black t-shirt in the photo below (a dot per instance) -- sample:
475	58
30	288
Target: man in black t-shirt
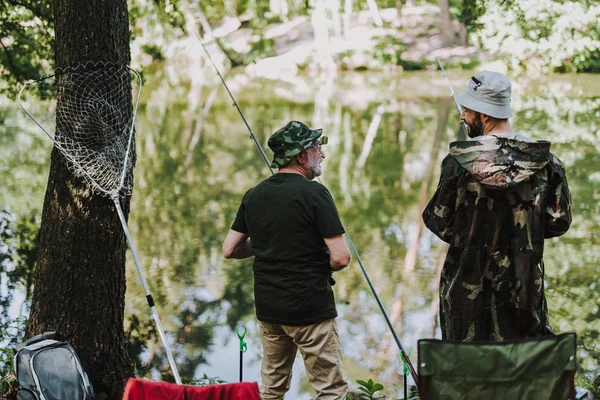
291	226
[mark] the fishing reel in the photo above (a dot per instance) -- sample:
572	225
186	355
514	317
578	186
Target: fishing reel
330	279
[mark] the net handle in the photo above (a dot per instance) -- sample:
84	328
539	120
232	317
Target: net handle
131	129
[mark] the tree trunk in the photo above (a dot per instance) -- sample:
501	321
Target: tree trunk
346	19
447	30
79	286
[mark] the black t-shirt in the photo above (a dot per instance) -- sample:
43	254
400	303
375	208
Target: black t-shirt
287	216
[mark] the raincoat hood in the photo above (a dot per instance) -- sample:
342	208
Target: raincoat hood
501	161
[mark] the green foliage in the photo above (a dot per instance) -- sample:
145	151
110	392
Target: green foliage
549	35
370	388
155	24
27	235
26	40
261	48
470	13
588	382
9	387
10	336
154	51
17	258
206	380
239	292
7	253
388	50
409	65
585	61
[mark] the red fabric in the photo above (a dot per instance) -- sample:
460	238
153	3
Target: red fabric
139	389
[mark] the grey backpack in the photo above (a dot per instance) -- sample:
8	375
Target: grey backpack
48	369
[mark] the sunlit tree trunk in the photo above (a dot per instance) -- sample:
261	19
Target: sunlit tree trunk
346	19
198	126
375	12
327	22
370	138
336	20
398	8
446	22
279	7
79	286
345	156
411	256
463	35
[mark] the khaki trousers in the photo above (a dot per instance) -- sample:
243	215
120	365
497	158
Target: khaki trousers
320	347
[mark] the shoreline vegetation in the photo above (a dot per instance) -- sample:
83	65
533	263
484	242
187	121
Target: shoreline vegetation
275	38
328	37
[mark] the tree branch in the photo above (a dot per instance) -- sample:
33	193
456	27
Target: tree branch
9	60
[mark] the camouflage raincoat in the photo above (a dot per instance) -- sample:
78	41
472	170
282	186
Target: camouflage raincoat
498	198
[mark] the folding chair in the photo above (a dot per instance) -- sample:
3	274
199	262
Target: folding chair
529	369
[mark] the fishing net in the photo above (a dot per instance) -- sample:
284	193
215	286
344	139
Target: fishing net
87	112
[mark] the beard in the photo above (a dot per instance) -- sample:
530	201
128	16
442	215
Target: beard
475	127
314	165
316	168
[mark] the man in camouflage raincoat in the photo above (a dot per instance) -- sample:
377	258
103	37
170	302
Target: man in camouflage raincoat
500	195
291	226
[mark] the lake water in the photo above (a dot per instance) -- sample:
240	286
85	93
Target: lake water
387	137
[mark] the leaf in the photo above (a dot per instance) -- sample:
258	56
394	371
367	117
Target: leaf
377	386
367	391
363	383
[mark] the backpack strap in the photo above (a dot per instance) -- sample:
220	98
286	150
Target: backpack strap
38	338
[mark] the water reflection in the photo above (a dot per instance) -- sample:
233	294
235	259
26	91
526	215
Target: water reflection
388	135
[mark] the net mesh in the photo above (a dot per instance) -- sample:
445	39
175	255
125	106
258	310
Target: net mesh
87	112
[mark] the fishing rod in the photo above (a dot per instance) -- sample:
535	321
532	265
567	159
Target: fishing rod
379	303
458	106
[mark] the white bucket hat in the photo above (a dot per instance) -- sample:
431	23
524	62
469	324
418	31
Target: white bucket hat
488	93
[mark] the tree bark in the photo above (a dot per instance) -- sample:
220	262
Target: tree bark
79	285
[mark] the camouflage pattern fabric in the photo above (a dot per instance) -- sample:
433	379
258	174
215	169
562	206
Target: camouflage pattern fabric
498	198
290	140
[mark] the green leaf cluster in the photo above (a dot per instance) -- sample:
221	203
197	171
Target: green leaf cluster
470	13
206	380
26	41
548	35
370	388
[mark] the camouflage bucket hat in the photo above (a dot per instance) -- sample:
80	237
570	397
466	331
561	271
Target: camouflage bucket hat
290	140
